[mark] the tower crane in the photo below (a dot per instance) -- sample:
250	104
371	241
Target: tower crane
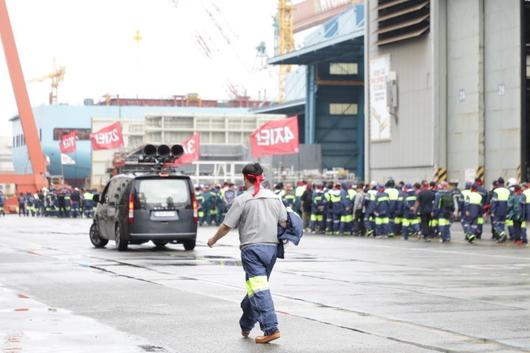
55	78
285	40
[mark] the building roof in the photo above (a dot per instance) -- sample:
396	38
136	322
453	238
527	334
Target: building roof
346	47
340	38
77	112
288	108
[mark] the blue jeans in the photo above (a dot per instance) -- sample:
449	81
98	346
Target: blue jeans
258	261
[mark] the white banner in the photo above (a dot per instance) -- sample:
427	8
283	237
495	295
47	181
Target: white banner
380	122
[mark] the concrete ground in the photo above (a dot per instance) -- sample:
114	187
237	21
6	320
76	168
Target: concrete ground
332	294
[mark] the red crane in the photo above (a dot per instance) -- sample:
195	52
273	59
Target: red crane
37	180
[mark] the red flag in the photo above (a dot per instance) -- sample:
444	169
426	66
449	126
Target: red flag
110	137
275	137
192	150
68	142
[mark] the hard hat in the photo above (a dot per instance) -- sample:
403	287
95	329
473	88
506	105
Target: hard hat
512	182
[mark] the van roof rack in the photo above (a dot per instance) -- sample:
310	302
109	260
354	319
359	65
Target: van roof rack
146	168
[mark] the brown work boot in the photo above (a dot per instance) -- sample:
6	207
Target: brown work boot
267	339
245	333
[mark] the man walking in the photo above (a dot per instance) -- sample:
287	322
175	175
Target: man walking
444	208
499	210
257	213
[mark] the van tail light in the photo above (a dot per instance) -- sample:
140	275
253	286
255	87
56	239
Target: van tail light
130	217
195	208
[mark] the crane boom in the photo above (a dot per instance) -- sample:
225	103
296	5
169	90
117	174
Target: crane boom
285	41
37	179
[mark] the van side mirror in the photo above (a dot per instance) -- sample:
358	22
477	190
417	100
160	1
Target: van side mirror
95	198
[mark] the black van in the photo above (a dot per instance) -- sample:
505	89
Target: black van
135	209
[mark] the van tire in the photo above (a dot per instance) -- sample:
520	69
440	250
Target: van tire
95	237
189	245
120	238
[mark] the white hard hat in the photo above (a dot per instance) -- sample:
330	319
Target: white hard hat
512	182
373	183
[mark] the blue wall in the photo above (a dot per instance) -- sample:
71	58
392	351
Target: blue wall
341	136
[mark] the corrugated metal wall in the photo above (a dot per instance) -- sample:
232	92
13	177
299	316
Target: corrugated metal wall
464	76
411	145
484	87
503	88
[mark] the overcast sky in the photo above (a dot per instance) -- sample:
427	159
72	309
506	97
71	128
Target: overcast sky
93	39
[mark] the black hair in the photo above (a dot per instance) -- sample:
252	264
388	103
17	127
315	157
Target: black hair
500	180
432	184
390	183
254	169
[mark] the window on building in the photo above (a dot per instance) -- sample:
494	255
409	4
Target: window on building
82	134
343	109
343	69
14	142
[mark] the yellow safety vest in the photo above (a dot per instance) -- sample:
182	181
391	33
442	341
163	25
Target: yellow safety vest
503	194
299	191
474	198
393	194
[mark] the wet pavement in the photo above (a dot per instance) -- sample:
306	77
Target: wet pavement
332	294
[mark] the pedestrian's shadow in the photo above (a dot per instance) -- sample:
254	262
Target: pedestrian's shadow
251	346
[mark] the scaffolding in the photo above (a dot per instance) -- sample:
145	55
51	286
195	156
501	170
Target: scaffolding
218	172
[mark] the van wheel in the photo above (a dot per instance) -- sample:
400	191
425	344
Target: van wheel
189	244
160	243
95	237
121	238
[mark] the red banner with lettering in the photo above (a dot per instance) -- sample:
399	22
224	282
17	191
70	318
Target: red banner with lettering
110	137
192	150
275	137
67	144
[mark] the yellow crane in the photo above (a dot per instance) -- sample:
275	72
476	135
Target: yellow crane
55	78
285	40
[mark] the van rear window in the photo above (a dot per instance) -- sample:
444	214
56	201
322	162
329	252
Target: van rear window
163	193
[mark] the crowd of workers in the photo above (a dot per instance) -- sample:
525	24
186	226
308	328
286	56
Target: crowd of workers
62	202
425	210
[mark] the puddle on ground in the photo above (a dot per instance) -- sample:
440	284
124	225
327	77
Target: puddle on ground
151	348
226	262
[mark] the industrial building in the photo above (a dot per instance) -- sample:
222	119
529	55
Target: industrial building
6	163
447	88
56	120
332	111
224	134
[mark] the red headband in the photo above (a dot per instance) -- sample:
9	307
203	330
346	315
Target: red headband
257	183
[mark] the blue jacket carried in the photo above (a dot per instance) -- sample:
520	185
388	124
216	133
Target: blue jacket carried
293	233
